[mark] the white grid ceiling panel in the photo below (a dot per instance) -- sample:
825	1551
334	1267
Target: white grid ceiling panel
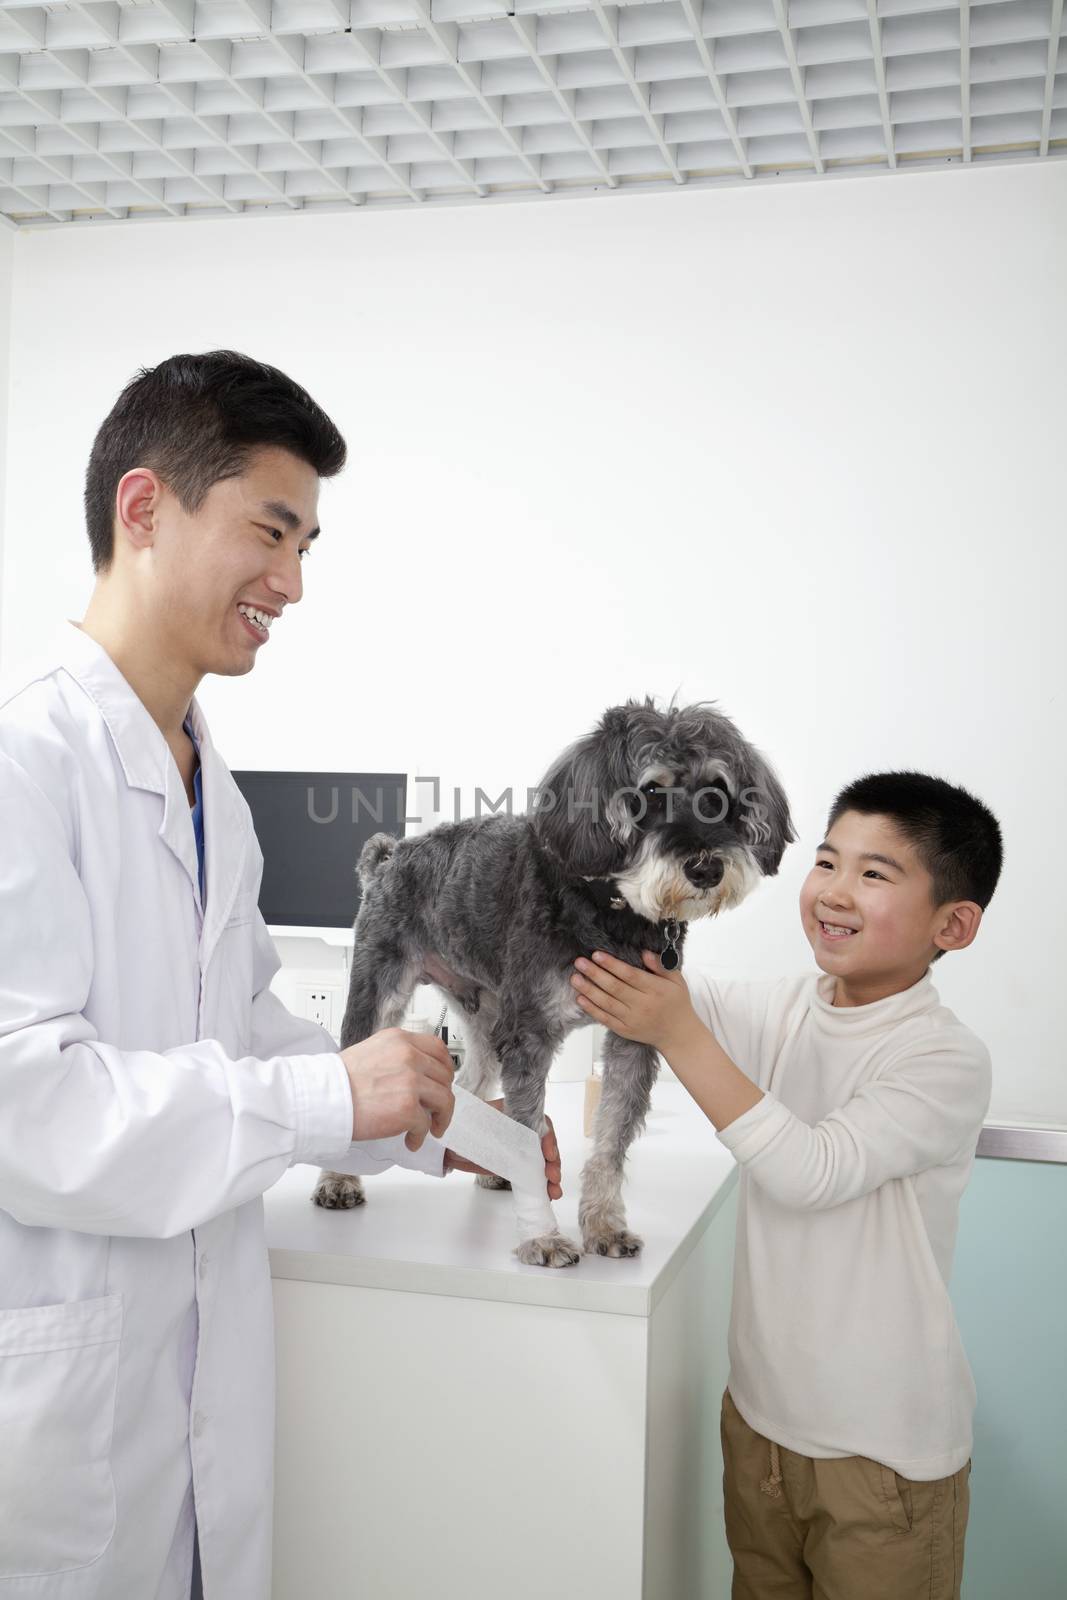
147	108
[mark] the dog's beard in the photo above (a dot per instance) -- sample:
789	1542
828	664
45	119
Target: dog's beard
656	887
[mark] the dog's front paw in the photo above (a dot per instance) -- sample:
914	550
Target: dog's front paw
489	1180
548	1250
607	1241
339	1191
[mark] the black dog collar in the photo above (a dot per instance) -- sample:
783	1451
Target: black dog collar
604	893
606	896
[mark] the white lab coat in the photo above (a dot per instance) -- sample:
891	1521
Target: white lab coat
152	1087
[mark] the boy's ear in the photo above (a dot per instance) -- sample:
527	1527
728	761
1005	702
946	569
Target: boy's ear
960	927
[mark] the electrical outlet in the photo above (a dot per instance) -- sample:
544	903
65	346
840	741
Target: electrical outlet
322	1003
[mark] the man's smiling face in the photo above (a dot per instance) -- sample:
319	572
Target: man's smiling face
868	879
241	552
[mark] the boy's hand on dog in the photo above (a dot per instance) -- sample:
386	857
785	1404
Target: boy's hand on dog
549	1149
647	1004
401	1083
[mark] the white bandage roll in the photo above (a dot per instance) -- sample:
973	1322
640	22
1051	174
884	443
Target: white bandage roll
496	1142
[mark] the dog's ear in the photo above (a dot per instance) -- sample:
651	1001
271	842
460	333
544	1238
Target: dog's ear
765	818
580	815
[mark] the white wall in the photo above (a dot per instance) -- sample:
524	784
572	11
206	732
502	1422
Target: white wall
791	448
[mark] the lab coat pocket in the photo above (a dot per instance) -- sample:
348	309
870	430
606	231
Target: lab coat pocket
58	1373
230	980
242	910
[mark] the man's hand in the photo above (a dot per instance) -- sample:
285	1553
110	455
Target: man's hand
401	1083
649	1004
549	1149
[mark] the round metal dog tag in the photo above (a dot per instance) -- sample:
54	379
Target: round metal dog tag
669	954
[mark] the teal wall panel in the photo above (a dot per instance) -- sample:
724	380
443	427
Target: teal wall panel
1009	1288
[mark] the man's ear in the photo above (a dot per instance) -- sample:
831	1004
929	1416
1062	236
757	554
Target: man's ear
137	500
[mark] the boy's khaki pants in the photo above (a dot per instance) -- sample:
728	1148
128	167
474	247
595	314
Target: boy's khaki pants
845	1528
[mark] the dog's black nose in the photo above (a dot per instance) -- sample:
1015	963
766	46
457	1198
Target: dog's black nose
704	871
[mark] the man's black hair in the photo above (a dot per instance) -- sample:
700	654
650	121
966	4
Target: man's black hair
956	837
195	419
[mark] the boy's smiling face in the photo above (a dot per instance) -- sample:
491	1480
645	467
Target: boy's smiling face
868	879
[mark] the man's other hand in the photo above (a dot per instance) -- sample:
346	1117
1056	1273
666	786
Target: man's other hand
401	1083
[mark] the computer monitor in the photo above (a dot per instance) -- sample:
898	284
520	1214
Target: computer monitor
311	828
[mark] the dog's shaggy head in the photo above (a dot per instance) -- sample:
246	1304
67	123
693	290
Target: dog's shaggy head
674	807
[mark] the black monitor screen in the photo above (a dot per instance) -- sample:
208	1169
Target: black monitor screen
311	827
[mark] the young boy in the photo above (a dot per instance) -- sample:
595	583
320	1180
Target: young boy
854	1110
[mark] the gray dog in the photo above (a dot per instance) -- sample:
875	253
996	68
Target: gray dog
653	819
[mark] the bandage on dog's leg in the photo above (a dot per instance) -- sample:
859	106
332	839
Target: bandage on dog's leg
495	1141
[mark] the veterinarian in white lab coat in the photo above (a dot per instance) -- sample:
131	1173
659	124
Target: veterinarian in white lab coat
151	1085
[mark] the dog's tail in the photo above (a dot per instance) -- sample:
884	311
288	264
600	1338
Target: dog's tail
377	850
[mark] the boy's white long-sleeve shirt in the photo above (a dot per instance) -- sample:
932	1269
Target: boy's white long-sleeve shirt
843	1339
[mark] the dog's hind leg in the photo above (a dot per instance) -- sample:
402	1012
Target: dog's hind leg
525	1055
629	1072
382	981
384	975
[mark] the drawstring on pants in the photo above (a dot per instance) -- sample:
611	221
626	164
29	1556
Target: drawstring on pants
770	1484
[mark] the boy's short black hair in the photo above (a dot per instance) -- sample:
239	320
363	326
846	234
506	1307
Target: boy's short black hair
194	420
956	837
